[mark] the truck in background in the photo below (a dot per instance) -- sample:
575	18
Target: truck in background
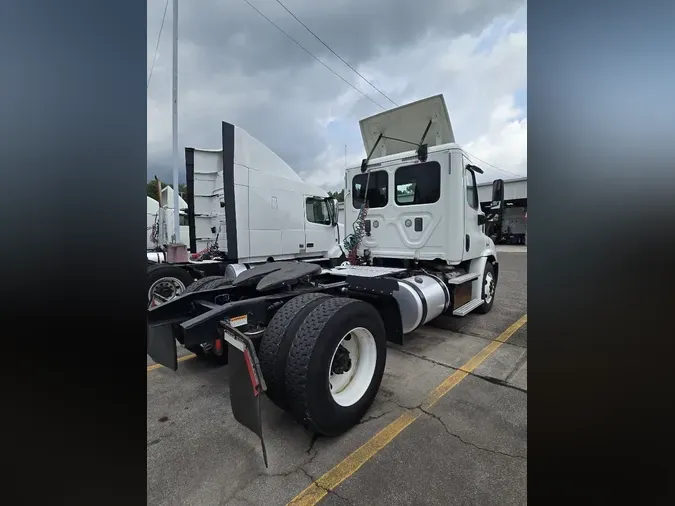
245	206
511	228
159	224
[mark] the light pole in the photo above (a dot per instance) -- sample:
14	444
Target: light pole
176	210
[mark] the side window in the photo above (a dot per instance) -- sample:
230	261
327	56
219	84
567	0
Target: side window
418	184
378	189
317	211
471	190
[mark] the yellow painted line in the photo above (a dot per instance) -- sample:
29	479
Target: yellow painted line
318	489
472	364
180	359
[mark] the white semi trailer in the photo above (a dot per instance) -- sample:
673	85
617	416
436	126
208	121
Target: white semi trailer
314	339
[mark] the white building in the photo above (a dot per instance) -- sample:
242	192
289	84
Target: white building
514	223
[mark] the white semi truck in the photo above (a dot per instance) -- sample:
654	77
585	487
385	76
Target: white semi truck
245	206
314	339
160	222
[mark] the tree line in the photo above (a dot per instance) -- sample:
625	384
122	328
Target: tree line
340	196
153	191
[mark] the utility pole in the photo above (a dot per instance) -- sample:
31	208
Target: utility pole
176	196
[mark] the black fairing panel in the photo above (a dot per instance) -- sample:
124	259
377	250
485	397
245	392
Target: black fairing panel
276	274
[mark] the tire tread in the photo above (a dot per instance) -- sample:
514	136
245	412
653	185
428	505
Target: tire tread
197	285
276	332
300	353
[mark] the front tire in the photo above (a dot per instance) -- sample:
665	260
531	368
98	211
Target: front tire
319	357
488	289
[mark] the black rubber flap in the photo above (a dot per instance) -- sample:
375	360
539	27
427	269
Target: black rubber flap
162	345
276	274
246	383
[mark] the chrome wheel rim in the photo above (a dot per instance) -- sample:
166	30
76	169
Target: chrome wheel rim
489	287
164	289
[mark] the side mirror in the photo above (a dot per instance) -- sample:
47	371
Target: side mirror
333	203
497	194
482	219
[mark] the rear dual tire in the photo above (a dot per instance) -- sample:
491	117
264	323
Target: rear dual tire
323	361
277	341
207	283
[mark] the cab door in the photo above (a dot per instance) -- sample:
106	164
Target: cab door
474	239
318	226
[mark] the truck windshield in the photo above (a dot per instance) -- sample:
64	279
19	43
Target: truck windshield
378	189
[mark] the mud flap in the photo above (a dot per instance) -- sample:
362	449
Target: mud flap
246	382
162	345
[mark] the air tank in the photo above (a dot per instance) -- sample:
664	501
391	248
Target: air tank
155	256
233	270
420	299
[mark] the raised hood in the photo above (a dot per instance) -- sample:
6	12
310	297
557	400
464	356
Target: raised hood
408	123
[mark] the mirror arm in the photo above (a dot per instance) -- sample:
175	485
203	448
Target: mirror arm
491	217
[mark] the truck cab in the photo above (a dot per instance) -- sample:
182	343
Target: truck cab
254	206
418	207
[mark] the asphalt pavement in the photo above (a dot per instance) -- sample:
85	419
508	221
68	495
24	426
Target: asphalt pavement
449	425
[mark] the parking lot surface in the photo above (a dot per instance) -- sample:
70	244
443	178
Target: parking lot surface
448	426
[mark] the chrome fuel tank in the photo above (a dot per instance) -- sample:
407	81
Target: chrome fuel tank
421	299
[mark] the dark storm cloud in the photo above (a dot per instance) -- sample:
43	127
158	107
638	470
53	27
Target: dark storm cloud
235	66
358	30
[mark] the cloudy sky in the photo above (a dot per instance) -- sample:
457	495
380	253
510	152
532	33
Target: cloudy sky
237	67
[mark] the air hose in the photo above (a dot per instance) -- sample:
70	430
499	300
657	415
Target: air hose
353	240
